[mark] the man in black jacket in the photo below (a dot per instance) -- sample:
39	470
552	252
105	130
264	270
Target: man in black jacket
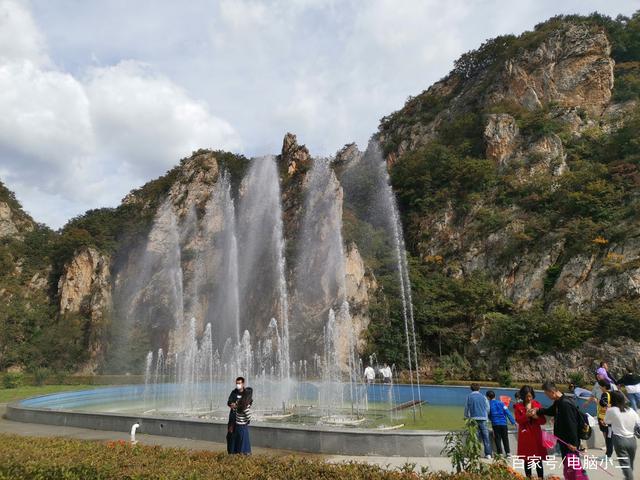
631	382
568	420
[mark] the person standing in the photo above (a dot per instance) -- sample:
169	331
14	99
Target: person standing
477	408
566	427
603	371
530	447
622	421
386	373
631	382
231	422
369	375
240	401
603	405
498	415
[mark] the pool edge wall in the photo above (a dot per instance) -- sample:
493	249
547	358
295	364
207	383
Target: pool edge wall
309	439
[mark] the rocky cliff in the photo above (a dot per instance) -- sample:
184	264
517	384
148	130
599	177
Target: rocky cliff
518	181
531	200
85	288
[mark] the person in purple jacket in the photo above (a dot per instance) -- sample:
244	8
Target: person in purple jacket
603	373
499	414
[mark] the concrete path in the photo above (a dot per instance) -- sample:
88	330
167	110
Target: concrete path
432	463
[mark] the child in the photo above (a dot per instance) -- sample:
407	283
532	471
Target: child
498	414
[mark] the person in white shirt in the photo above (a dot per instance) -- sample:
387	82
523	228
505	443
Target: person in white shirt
386	373
622	421
369	374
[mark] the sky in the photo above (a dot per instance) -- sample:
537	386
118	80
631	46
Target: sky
98	97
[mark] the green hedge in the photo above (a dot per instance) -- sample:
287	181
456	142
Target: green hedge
53	459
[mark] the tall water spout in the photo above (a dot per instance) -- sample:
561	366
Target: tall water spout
368	190
263	285
219	263
319	276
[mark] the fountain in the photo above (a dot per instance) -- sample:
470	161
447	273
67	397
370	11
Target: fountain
223	296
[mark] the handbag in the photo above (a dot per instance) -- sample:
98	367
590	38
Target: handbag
548	440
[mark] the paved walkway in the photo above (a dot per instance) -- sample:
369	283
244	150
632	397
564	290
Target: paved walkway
432	463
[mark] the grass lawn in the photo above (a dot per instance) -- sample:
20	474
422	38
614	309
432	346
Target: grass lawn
434	417
10	394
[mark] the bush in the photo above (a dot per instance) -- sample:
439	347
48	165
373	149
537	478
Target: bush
40	375
455	366
56	458
504	378
438	376
577	378
464	449
60	377
12	380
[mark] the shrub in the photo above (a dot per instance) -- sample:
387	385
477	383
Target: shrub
60	377
464	449
438	376
504	378
577	378
23	458
455	366
12	380
40	375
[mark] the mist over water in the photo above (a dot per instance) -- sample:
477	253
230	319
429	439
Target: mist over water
319	273
262	266
218	262
368	191
218	278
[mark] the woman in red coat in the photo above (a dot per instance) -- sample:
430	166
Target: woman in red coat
529	432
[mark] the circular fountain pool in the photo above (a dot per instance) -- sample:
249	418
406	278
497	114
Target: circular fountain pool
302	426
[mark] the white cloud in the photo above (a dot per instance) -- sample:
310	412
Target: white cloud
147	120
19	36
68	144
45	113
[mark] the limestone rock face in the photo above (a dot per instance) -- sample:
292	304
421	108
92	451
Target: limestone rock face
86	276
14	223
587	281
501	134
523	280
193	187
358	285
85	287
567	77
295	156
7	227
571	70
559	366
571	67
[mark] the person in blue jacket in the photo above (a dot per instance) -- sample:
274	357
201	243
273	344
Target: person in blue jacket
477	408
499	414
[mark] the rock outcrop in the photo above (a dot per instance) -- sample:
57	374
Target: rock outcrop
295	157
564	76
7	226
85	288
501	136
570	70
85	282
359	286
620	354
572	67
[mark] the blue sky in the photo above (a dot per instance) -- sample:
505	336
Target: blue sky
100	96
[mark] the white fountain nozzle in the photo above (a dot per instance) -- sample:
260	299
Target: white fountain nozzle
134	427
